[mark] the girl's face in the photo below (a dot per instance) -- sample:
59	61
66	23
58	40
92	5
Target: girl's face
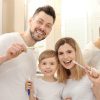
48	66
66	54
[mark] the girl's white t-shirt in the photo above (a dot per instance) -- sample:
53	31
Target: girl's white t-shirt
45	90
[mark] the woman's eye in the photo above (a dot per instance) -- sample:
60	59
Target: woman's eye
69	51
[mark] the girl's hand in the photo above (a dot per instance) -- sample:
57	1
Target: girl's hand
68	98
29	86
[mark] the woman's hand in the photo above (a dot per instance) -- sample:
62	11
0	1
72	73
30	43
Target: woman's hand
94	76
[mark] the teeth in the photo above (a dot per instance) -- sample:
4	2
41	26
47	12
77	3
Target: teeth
39	32
68	61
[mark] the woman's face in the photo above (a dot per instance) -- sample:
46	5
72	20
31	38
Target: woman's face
66	55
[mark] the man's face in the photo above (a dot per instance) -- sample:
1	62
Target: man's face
40	26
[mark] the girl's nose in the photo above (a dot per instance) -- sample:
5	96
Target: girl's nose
48	66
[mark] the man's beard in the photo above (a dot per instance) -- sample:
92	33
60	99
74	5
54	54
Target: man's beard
35	39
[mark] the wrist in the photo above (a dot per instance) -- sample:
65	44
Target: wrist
97	97
3	59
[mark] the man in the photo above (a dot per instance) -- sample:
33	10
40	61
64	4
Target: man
92	54
14	72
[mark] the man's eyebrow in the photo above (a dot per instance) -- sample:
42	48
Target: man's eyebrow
47	23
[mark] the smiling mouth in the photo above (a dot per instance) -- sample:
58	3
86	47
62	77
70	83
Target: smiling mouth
68	62
48	71
41	32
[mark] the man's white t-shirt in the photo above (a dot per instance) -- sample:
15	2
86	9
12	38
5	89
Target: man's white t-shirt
15	72
92	55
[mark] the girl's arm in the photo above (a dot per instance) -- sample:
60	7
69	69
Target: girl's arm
29	86
31	97
69	98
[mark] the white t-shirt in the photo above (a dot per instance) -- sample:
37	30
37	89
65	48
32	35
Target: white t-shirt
15	72
92	55
45	90
78	89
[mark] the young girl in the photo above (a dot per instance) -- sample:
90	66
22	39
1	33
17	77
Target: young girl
46	87
77	84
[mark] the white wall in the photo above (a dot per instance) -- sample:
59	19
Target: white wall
19	12
81	20
0	16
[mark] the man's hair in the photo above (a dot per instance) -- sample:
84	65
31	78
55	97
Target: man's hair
48	10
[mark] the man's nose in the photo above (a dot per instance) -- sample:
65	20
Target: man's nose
43	27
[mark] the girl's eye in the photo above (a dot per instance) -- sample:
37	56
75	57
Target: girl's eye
52	63
44	63
60	53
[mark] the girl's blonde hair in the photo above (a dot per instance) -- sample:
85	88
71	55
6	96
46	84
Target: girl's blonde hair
47	54
64	73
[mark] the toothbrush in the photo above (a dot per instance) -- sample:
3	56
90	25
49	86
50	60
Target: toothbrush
34	47
89	68
28	91
78	64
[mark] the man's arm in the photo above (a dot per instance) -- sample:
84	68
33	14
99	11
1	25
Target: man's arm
3	59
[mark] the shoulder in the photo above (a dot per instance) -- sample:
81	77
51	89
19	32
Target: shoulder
85	81
9	36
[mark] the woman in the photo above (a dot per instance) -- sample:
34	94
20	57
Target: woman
77	83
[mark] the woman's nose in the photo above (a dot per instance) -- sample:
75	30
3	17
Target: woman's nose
65	55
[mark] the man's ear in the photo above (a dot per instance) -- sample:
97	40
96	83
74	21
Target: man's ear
39	66
30	20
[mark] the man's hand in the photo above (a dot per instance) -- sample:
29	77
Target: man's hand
14	50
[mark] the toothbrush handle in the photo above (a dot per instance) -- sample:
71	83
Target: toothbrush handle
28	92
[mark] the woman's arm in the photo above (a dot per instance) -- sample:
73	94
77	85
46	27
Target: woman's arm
94	76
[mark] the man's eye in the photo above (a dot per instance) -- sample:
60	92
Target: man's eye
48	26
39	22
